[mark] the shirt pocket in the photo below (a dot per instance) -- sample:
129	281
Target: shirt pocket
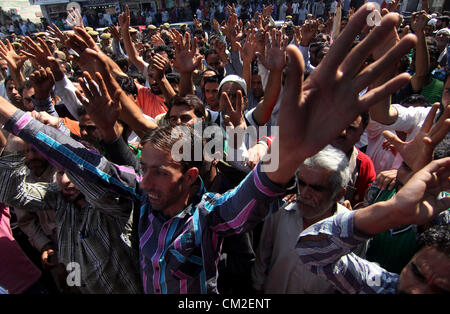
185	257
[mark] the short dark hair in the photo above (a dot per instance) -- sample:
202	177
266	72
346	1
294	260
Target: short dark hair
365	118
163	140
7	79
164	48
24	85
192	101
173	78
212	79
437	237
442	150
415	99
199	32
127	84
210	52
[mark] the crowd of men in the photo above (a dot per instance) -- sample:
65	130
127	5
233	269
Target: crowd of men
247	158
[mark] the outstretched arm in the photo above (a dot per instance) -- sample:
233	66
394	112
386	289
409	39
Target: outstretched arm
309	109
133	55
273	59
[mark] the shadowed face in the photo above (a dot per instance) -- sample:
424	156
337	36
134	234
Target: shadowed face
428	272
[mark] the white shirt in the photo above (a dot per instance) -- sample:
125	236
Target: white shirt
295	7
409	120
199	14
277	267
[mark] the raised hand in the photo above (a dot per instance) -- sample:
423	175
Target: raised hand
386	179
42	80
419	151
74	18
274	58
46	118
39	53
7	52
233	119
267	10
124	19
157	40
197	23
56	32
417	201
308	31
159	64
297	35
248	49
419	21
115	32
314	112
89	59
186	57
393	5
216	26
102	109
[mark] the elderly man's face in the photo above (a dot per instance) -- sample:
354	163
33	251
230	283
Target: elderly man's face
315	195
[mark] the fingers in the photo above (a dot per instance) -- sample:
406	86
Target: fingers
374	70
352	64
380	93
77	43
88	89
340	48
44	46
101	83
239	101
428	122
393	140
226	103
81	98
294	75
85	37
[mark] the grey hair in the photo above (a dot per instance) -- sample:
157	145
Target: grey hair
333	160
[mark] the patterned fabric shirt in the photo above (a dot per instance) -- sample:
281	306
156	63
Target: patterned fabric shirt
96	236
328	253
177	255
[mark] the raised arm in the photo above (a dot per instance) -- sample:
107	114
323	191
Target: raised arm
247	51
15	62
94	61
308	111
274	60
159	63
422	62
133	55
186	61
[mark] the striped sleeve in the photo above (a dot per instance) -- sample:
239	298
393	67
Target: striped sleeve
240	209
66	153
325	248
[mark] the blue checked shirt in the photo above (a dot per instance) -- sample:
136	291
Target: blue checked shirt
328	254
176	255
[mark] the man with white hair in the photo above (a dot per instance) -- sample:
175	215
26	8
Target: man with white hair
321	183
